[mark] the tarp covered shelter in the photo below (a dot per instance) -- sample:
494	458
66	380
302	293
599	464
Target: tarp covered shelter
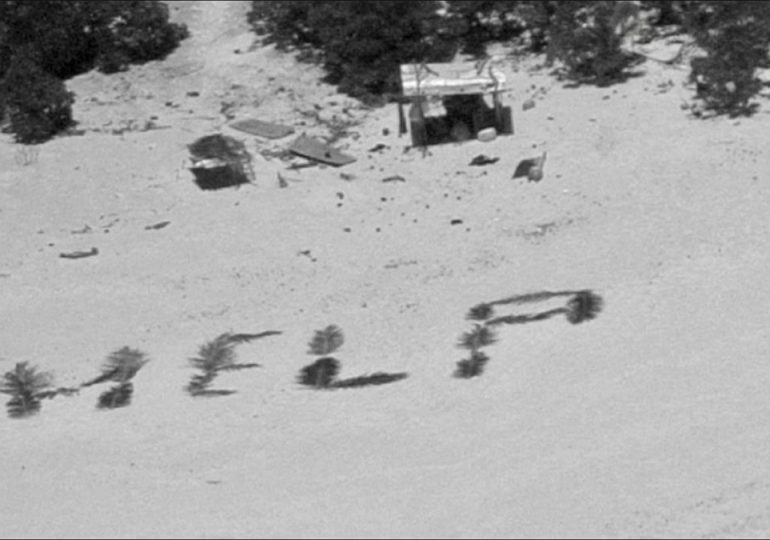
461	88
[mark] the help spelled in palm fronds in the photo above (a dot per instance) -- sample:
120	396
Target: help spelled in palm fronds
119	367
216	356
322	372
474	340
584	305
26	386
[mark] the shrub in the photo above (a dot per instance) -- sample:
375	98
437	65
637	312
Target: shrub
360	44
735	37
73	37
586	37
137	31
476	23
38	104
45	40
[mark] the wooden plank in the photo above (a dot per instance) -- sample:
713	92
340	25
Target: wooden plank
316	150
262	129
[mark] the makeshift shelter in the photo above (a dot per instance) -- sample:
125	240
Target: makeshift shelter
458	89
219	162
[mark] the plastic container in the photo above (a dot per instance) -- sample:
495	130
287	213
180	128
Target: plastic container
487	135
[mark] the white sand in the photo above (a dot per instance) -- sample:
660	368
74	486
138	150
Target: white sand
649	421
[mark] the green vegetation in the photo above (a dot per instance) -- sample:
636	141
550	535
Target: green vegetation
362	44
43	42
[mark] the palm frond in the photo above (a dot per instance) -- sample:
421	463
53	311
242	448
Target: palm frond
215	355
472	367
523	319
326	341
531	297
370	380
24	379
319	374
200	382
480	336
116	397
245	338
238	367
120	366
25	384
480	312
584	306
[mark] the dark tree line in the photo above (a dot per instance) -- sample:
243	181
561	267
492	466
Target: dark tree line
43	42
361	44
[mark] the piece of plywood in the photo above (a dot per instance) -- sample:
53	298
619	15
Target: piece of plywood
263	129
316	150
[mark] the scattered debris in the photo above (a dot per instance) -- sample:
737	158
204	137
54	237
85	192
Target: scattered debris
193	94
532	168
85	230
456	222
378	147
314	149
394	178
267	130
482	160
306	253
347	177
528	104
487	134
283	181
79	254
295	166
157	226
